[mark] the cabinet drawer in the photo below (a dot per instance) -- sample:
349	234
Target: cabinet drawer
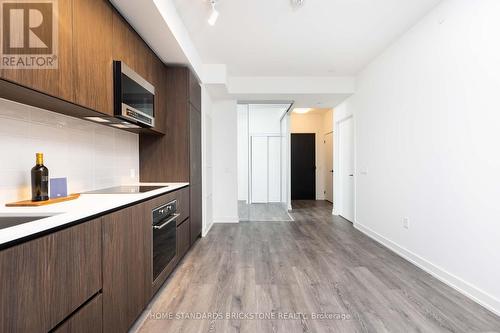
43	281
87	319
183	238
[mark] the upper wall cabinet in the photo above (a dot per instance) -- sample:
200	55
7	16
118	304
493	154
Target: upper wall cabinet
160	82
130	48
91	34
194	91
93	55
55	82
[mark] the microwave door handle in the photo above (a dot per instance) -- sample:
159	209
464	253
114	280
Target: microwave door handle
173	218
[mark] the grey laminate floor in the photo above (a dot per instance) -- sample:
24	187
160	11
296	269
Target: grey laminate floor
317	264
265	212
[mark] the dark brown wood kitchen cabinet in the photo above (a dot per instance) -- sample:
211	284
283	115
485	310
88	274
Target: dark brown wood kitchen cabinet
93	54
160	82
176	157
85	320
55	82
194	91
183	238
130	48
44	280
127	266
195	173
166	158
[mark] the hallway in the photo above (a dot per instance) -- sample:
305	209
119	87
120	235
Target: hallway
317	264
263	212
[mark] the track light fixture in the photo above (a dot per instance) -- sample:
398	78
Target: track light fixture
297	3
214	15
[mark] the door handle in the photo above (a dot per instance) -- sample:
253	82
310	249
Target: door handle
173	218
351	175
331	171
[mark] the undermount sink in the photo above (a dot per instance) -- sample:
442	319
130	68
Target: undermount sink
10	220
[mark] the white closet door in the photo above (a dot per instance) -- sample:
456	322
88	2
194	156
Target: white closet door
274	171
259	169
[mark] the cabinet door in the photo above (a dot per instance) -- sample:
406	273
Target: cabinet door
183	205
195	145
123	41
196	212
160	82
194	91
54	82
183	238
43	281
127	262
93	55
130	48
87	319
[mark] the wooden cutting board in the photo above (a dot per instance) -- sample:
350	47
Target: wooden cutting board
29	203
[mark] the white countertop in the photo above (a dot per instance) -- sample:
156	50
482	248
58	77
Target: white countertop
85	206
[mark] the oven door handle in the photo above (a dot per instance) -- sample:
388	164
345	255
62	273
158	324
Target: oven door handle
173	218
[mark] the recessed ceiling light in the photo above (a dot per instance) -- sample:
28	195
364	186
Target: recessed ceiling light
125	125
119	125
97	119
214	15
301	110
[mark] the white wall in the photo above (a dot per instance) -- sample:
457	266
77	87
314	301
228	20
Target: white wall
91	156
207	157
224	160
320	124
265	118
427	132
285	162
243	144
260	121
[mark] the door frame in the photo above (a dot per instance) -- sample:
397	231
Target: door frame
326	171
337	162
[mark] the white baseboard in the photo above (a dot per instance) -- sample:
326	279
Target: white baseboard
207	230
463	287
226	219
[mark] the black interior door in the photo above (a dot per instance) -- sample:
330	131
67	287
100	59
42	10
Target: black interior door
303	166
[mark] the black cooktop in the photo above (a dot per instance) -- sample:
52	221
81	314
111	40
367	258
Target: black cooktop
125	190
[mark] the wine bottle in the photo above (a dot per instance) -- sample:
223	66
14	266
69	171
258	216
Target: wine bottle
39	180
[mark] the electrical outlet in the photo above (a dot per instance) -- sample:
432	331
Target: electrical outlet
406	222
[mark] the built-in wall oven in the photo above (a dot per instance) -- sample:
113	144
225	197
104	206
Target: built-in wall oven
134	97
164	236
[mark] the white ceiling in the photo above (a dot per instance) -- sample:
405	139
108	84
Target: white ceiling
323	38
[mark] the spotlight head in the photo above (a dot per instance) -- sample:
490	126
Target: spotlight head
214	15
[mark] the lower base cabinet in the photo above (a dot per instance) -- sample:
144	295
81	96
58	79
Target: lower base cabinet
127	266
195	214
45	280
85	320
96	276
183	238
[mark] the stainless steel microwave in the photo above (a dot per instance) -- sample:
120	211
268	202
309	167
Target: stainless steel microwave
134	97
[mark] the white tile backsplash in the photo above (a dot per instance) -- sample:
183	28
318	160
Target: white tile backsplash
91	156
